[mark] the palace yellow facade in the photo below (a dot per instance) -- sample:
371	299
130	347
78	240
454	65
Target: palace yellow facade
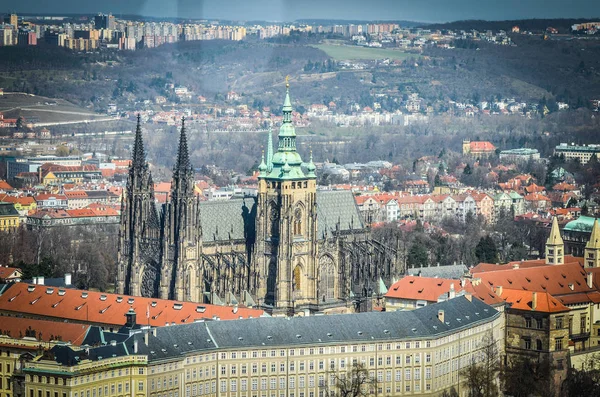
210	359
118	376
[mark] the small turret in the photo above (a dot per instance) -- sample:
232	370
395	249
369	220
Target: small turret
592	248
311	167
262	167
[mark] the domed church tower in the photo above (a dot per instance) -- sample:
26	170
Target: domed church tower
286	230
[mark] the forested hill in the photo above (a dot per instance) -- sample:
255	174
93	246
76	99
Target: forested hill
534	25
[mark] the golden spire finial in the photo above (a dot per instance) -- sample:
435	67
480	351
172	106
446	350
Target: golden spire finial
287	81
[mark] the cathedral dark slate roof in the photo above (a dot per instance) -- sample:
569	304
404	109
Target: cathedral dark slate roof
228	219
224	220
334	207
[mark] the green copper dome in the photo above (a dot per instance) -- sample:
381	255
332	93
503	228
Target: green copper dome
286	163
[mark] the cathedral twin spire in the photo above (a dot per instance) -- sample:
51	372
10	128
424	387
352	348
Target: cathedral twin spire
139	156
183	156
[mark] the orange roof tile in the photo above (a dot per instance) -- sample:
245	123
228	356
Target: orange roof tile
46	196
563	186
558	280
536	197
533	188
4	185
75	194
103	308
482	146
482	292
44	330
421	288
523	300
7	271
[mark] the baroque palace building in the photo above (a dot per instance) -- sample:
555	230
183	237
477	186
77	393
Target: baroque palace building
290	249
420	352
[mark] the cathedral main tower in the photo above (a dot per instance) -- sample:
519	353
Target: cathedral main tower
286	232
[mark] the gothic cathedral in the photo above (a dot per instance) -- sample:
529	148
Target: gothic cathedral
289	249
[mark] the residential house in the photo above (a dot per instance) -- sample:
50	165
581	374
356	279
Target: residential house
518	203
369	208
465	203
10	274
9	217
502	202
537	202
478	148
485	206
52	201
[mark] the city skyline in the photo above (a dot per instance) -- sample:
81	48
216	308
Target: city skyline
285	10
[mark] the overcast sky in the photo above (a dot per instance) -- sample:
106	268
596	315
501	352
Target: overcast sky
287	10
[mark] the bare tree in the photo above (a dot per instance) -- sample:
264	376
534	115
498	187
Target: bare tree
355	383
481	377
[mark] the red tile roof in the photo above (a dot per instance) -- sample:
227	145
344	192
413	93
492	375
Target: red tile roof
103	308
75	194
482	292
44	330
421	288
523	300
563	186
536	197
533	188
6	272
482	146
47	196
24	200
5	186
557	280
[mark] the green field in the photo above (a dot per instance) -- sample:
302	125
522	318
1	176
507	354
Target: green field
345	52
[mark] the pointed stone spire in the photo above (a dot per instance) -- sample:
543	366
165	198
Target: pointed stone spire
594	241
592	248
183	156
555	237
555	246
139	156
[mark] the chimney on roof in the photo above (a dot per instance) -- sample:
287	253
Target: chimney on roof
135	346
441	315
499	290
515	265
590	280
67	279
533	300
40	280
146	337
452	292
154	331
